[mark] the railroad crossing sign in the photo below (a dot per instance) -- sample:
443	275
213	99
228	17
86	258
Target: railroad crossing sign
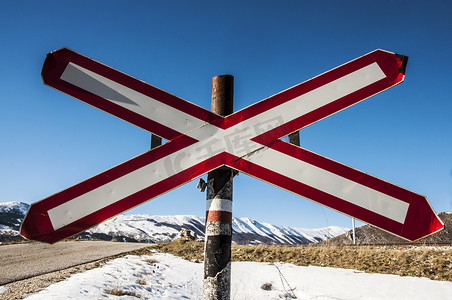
249	141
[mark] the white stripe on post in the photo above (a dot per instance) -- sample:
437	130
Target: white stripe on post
219	205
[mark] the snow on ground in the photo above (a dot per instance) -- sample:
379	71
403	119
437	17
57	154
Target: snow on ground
163	276
3	289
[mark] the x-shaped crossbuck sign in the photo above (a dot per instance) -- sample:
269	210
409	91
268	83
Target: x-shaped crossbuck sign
249	141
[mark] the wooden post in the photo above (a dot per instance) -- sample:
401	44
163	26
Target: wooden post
294	138
218	235
155	141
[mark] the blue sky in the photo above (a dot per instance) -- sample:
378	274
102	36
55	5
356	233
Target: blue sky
50	141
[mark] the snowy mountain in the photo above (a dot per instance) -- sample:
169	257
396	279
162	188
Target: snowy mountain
158	229
11	215
14	207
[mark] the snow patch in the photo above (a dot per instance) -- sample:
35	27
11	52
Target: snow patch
163	276
160	276
8	231
3	289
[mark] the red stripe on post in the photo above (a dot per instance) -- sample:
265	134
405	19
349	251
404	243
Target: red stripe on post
218	216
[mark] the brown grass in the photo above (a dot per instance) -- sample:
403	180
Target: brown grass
187	249
151	261
119	292
420	261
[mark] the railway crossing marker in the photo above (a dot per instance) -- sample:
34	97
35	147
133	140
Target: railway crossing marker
248	141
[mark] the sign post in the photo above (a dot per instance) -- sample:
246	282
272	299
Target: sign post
155	141
294	138
218	232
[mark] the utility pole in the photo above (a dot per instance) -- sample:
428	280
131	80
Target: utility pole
218	235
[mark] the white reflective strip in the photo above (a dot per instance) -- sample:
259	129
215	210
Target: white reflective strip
321	96
219	205
119	188
236	139
332	184
213	140
130	99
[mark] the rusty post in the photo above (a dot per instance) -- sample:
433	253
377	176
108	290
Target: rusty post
155	141
294	138
218	235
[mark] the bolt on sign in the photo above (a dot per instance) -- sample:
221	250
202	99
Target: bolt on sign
248	141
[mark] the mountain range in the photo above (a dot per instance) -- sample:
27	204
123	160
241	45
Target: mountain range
158	229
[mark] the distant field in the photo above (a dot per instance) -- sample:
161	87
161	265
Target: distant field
434	262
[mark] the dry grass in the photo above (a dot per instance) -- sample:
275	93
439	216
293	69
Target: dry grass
187	249
119	292
420	261
151	261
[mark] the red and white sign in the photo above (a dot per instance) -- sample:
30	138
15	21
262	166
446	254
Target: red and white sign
248	141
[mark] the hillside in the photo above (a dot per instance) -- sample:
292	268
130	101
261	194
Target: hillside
371	235
11	215
158	229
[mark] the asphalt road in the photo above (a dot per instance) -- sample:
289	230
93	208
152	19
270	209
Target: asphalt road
20	261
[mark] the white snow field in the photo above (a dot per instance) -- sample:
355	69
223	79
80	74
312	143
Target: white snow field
163	276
